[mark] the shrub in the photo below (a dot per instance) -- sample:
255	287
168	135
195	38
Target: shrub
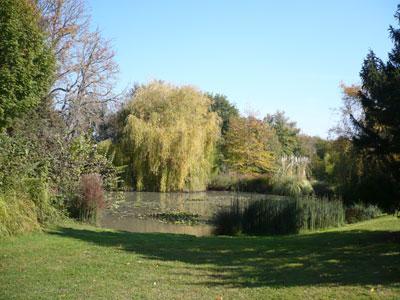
361	212
90	198
243	183
279	216
255	183
24	192
323	189
223	182
291	186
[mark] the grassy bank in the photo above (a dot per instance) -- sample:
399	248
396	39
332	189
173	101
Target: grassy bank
82	262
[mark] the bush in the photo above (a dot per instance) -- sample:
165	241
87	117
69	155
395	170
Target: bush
323	189
255	184
243	183
90	198
25	200
291	186
279	216
223	182
361	212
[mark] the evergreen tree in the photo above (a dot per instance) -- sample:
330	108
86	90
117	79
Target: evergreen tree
378	132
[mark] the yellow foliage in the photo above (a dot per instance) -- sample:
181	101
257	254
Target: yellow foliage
247	146
170	137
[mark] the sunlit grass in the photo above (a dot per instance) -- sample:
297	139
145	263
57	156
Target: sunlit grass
83	262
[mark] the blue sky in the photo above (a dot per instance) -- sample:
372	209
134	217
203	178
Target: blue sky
264	55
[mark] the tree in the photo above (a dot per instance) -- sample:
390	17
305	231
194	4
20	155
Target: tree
377	131
224	109
86	70
170	136
247	146
286	131
26	63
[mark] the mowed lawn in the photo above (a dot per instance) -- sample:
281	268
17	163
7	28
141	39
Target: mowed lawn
83	262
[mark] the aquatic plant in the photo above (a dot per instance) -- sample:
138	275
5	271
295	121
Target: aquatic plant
279	216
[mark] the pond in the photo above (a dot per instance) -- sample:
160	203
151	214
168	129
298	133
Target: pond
183	213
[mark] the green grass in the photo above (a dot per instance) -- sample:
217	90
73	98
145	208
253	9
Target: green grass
82	262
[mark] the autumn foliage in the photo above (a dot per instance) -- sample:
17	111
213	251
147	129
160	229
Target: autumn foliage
170	137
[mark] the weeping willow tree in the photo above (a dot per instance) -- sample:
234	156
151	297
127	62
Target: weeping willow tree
170	135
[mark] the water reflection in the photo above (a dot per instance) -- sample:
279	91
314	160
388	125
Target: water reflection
133	214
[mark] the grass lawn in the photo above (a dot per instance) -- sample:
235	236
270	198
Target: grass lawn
83	262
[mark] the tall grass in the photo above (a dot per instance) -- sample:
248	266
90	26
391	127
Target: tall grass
18	214
319	213
26	207
279	216
90	198
229	221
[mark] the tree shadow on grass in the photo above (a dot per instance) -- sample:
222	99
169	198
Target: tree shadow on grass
343	258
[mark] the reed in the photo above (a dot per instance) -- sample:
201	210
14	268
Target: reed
279	216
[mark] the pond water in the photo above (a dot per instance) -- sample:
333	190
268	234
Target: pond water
184	213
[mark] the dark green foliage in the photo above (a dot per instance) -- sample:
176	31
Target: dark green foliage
378	132
361	212
270	217
26	64
279	216
225	110
25	201
229	221
323	189
286	131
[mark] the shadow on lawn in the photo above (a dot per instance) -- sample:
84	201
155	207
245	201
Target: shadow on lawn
349	257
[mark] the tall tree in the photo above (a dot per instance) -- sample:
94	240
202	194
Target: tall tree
86	70
225	110
286	131
170	137
247	146
378	131
26	63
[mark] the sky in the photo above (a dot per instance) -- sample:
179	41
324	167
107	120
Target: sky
263	55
